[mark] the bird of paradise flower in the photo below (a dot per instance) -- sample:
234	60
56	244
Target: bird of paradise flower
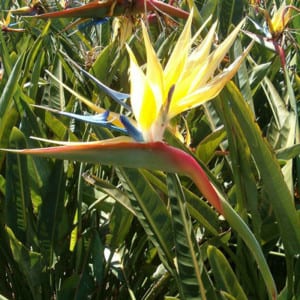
187	81
275	32
96	11
6	26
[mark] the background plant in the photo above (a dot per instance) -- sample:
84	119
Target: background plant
76	230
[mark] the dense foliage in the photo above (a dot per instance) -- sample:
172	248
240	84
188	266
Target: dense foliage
74	230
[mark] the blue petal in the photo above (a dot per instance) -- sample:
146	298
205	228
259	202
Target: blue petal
131	130
117	96
93	22
95	119
98	119
12	24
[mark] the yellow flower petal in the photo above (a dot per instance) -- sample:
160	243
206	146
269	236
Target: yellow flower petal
200	96
154	70
203	66
177	60
202	51
142	98
200	67
7	21
186	82
279	20
209	90
196	65
217	56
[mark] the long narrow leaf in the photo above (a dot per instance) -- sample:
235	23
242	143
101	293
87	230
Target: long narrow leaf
18	197
115	95
187	252
199	209
274	184
50	212
159	156
29	262
224	275
11	86
151	212
244	232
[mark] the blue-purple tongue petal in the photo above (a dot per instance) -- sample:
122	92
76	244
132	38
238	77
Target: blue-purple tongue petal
131	129
98	119
92	22
115	95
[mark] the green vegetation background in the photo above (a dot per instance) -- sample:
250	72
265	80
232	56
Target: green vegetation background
71	230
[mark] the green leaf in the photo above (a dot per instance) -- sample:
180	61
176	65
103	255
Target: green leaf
208	9
18	195
110	190
199	209
224	276
243	168
68	286
151	211
34	51
288	152
257	74
11	87
35	77
97	259
8	121
120	224
278	193
5	54
74	233
243	76
206	149
29	263
189	262
244	232
231	12
101	68
282	130
50	212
